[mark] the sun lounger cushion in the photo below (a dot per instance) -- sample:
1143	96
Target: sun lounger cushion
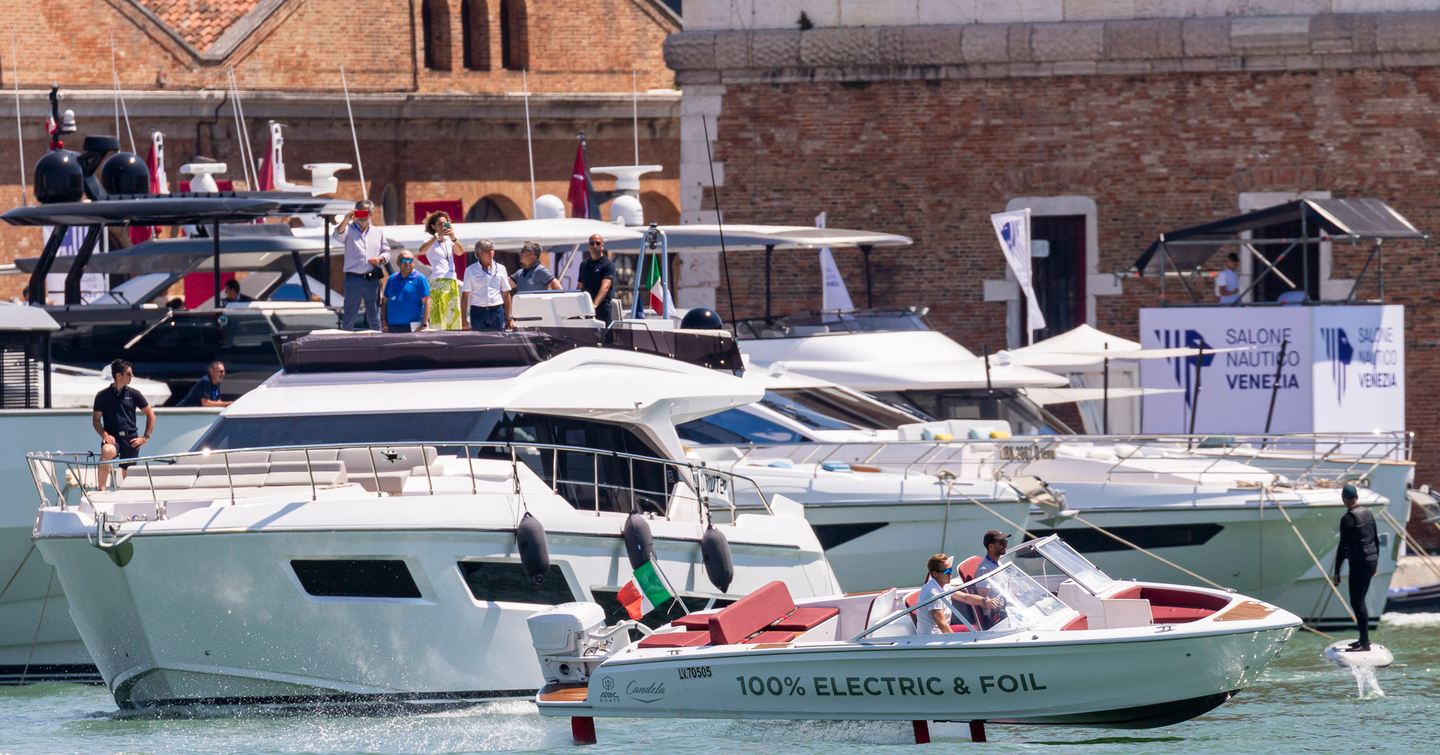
675	640
805	618
695	621
771	636
750	614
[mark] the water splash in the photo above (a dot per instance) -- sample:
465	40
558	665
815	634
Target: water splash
1415	620
1367	685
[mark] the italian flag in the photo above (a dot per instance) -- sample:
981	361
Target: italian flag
656	295
646	591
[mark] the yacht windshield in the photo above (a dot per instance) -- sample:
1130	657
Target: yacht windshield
853	409
1052	561
801	412
820	323
1024	415
1023	601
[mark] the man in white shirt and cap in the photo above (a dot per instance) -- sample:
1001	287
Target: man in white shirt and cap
485	295
365	255
1227	281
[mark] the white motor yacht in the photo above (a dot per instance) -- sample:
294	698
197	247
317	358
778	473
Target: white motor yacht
874	521
348	532
1214	511
1067	645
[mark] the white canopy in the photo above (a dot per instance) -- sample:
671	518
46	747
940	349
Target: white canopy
742	238
1072	350
1047	396
509	234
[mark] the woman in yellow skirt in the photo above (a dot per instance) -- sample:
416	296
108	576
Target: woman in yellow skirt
440	249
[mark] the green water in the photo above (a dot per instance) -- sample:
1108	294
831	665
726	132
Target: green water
1302	703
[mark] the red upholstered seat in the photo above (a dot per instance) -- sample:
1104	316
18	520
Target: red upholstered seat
769	636
675	640
966	569
959	628
1177	615
695	621
805	618
748	615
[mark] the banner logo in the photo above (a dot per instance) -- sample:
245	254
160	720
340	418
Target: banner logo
1181	366
1340	354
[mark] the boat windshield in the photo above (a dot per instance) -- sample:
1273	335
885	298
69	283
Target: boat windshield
1051	560
1023	601
1024	415
853	409
806	324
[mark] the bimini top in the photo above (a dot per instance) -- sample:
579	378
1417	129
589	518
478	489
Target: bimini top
336	352
1324	219
740	238
177	209
508	235
585	381
249	249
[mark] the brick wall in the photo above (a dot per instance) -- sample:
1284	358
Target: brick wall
932	152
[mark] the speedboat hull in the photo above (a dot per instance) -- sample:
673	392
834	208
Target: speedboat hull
1166	679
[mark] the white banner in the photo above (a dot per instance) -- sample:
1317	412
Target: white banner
1344	369
1013	230
92	285
833	293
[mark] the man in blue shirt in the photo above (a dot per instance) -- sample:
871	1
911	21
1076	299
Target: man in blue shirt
206	391
996	542
406	304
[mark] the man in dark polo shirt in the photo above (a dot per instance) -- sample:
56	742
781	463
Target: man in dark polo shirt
597	278
114	420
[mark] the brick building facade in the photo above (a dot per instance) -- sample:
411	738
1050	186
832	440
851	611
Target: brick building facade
436	88
1109	118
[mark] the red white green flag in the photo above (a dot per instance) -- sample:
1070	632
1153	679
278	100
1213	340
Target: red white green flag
656	297
646	591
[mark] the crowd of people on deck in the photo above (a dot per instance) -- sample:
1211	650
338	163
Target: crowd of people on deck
481	299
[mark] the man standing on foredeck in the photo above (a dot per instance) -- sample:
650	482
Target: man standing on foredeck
114	420
597	278
1360	543
365	255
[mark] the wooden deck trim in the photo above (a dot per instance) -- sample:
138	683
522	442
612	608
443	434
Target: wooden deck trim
564	693
1248	610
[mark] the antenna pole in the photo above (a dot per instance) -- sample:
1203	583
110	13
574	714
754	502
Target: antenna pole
719	224
19	128
360	164
245	134
239	127
115	77
635	111
529	144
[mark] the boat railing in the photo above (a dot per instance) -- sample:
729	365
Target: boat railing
64	479
1306	459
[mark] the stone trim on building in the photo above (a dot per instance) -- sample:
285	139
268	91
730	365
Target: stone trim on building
1087	48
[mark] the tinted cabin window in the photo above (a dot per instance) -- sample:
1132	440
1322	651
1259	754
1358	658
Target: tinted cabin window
507	583
574	472
341	578
734	427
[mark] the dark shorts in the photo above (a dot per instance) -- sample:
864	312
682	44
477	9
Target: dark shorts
124	450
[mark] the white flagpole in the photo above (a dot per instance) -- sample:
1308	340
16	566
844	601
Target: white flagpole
1029	322
635	111
529	144
359	164
19	128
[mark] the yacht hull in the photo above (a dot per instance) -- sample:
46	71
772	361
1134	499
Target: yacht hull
1056	678
222	616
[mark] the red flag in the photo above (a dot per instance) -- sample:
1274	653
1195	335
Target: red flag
632	599
579	194
266	179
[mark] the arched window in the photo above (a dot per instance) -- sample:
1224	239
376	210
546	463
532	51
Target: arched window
435	23
514	52
475	34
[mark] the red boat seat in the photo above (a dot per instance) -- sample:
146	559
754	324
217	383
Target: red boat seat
966	569
1177	615
695	622
750	614
770	636
805	619
675	640
959	628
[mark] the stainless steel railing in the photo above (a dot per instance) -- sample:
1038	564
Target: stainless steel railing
65	479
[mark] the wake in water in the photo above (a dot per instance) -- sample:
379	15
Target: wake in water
1416	620
1367	686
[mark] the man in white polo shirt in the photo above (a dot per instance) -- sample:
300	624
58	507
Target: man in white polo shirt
933	616
485	295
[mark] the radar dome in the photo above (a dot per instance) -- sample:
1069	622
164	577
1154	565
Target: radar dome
701	318
125	173
549	206
59	177
626	210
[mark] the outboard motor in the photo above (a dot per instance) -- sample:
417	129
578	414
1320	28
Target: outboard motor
571	639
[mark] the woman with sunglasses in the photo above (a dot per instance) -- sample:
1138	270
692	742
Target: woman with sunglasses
440	249
934	618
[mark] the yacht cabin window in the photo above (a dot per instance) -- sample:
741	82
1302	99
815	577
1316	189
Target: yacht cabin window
735	427
1025	416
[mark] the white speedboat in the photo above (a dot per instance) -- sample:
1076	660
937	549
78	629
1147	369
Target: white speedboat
1094	652
1213	511
347	532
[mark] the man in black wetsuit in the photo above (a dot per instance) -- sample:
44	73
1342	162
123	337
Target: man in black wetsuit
1360	543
